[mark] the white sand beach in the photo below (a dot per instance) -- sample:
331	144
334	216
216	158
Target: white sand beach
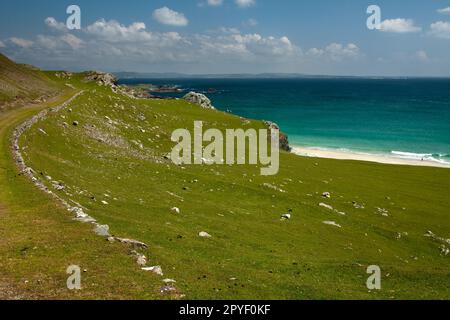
360	156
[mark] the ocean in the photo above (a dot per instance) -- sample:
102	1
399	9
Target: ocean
404	118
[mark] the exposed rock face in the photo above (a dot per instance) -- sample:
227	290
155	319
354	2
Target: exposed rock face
64	75
199	99
284	140
102	78
109	80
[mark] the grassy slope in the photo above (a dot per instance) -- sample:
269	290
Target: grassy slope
297	259
21	84
39	240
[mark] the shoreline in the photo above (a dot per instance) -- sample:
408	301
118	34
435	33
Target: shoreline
316	152
339	154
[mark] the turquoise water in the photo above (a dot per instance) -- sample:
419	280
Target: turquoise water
407	118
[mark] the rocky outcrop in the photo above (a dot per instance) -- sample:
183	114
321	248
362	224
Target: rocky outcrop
109	80
199	99
102	78
284	140
64	75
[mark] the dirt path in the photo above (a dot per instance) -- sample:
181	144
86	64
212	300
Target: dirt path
8	120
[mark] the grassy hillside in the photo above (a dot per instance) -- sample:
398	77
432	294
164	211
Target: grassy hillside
113	164
20	84
39	239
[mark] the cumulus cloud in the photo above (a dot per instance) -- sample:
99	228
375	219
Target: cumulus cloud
245	3
440	29
107	44
399	26
170	17
23	43
2	45
73	41
256	44
55	25
335	51
113	31
444	10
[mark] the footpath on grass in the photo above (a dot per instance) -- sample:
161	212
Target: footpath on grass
39	239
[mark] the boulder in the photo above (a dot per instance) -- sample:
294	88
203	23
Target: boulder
332	223
141	259
286	216
204	234
102	230
199	99
326	206
134	243
155	269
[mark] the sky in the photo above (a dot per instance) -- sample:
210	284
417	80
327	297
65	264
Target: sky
323	37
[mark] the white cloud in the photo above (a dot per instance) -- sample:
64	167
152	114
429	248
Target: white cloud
55	25
23	43
244	47
444	10
2	45
335	51
229	30
73	41
245	3
169	17
109	45
113	31
399	26
255	44
214	3
440	29
48	42
59	43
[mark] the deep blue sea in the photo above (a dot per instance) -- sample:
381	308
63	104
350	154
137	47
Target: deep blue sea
402	117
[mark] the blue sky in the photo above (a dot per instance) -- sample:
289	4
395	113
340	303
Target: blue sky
231	36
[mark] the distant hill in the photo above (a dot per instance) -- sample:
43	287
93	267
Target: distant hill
172	75
138	75
22	83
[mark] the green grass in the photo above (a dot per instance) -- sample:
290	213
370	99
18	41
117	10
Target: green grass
39	239
21	84
270	259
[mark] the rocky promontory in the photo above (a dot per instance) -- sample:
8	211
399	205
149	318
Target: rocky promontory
199	99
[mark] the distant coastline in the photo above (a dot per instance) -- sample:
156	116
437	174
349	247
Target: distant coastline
184	76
